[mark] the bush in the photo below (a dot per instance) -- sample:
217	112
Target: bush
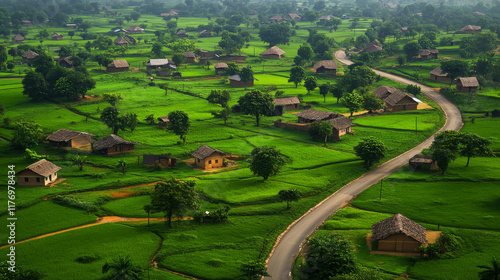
75	203
87	258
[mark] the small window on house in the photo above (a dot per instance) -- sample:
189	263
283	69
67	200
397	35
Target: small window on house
198	160
116	148
38	179
26	179
50	177
209	162
296	105
216	161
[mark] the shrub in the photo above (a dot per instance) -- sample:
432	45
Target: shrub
87	258
75	203
215	262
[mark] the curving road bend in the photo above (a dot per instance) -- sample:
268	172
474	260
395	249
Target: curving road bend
289	243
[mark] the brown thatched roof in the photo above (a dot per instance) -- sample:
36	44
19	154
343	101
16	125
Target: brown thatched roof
286	101
120	41
294	16
205	33
29	54
18	37
164	119
119	63
43	168
468	82
56	35
399	98
189	54
181	32
341	122
273	50
277	18
328	17
372	47
110	141
421	159
327	64
64	135
158	62
316	115
428	52
67	60
438	72
220	65
470	28
399	224
205	151
237	78
134	28
384	91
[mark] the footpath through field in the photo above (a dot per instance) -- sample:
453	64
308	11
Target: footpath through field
289	243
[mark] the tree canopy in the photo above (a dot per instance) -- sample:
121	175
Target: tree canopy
267	161
370	150
455	68
275	33
297	75
256	103
179	124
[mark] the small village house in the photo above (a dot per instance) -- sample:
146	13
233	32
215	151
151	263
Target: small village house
422	162
65	138
220	68
120	41
398	234
18	38
471	29
27	23
272	53
438	75
134	29
163	122
40	173
235	80
70	25
294	16
287	103
118	65
326	66
341	126
29	56
190	57
66	62
57	36
426	54
468	84
276	19
395	99
372	47
159	160
312	115
182	34
324	19
207	157
113	144
162	65
205	34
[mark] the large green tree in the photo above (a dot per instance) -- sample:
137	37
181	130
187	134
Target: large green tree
289	196
220	97
231	42
473	145
305	52
26	135
352	101
310	83
35	86
358	76
179	124
412	49
267	161
254	270
173	197
372	102
109	117
275	33
321	131
297	75
324	89
443	157
455	68
256	103
328	256
371	150
122	268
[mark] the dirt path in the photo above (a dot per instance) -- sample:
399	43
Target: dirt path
99	221
289	243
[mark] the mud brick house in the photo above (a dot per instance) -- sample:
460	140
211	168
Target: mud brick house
426	54
422	162
205	34
294	16
272	53
190	57
341	126
162	65
182	34
372	47
276	19
395	99
326	66
118	65
220	68
113	144
471	29
207	157
468	84
235	80
70	25
120	41
57	36
159	160
287	103
66	62
324	19
65	138
311	115
163	122
398	234
134	29
438	75
28	56
18	38
40	173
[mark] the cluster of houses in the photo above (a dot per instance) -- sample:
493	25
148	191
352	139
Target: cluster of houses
464	84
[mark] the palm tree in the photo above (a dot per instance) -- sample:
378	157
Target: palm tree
123	165
122	268
490	273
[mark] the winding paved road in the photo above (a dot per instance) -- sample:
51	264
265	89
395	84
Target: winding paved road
289	243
